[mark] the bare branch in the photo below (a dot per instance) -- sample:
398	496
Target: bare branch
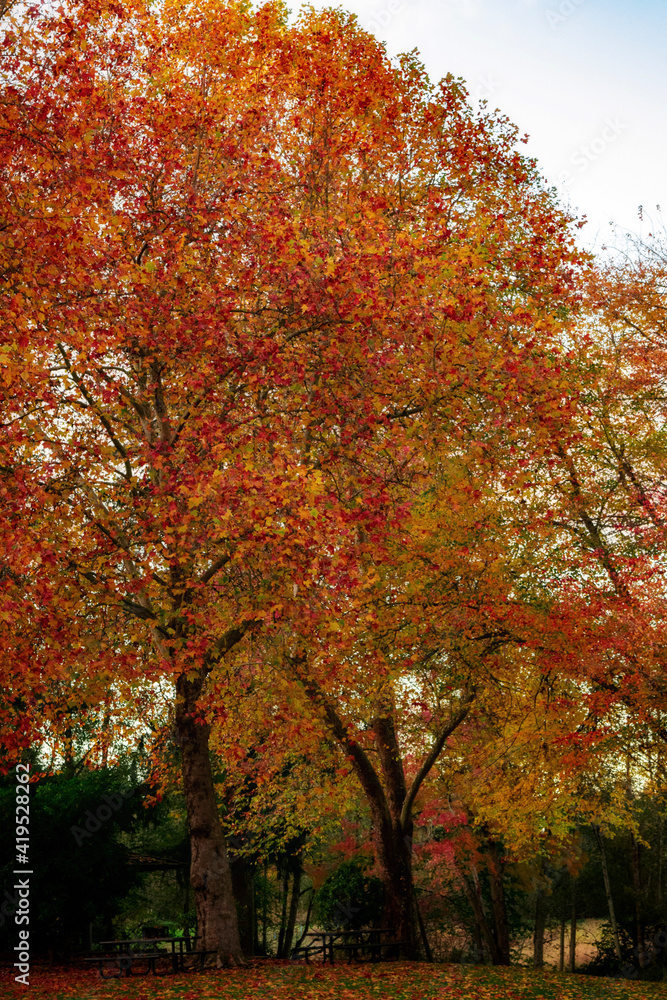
106	423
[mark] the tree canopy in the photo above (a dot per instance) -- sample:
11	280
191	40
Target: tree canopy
296	397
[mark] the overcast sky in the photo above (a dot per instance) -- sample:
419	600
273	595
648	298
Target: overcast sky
586	79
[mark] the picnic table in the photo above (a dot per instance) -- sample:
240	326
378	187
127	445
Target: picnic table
374	944
141	956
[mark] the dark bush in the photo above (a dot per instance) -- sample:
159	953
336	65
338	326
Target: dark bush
349	898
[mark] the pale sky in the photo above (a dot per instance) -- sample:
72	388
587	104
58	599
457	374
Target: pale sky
586	79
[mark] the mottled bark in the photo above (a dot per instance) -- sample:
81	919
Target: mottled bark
210	876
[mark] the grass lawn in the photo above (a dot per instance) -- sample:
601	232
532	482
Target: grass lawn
285	981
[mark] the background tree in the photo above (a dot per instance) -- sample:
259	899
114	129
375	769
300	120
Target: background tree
76	821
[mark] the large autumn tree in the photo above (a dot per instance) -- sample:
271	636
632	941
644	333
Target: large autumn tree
255	278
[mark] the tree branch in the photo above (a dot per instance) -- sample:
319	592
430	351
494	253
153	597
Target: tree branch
594	534
227	641
106	423
366	773
435	752
138	610
214	568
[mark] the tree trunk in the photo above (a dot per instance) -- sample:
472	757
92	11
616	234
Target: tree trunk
639	916
388	797
422	930
393	852
306	925
210	877
607	889
659	892
265	910
184	880
105	732
474	894
561	956
243	884
573	926
499	909
538	930
478	944
291	916
393	837
283	910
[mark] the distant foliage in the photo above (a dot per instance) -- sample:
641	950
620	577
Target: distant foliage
349	898
81	870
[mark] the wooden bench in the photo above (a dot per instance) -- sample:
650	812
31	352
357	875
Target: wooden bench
374	945
305	951
113	966
129	957
371	946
